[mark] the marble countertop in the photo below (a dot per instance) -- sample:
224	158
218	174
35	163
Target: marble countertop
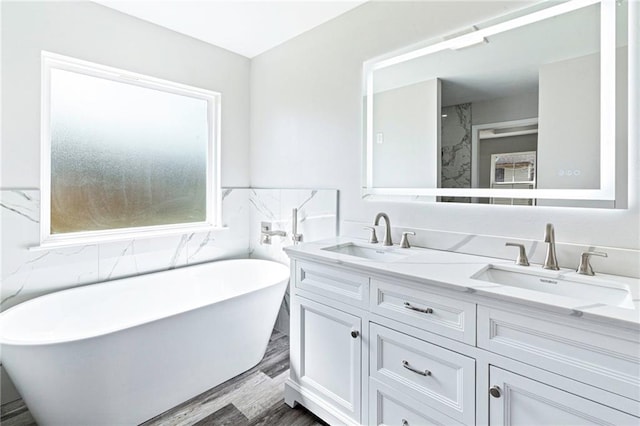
453	271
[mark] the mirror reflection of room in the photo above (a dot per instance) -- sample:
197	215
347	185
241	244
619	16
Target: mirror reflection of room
490	112
452	117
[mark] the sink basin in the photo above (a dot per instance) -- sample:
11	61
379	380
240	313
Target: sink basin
591	289
384	254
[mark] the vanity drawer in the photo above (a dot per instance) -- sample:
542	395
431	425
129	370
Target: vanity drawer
388	407
441	315
602	356
334	283
442	379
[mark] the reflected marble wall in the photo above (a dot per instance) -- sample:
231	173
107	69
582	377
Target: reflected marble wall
456	149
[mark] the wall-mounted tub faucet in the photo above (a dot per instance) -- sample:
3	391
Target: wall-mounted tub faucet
387	234
550	260
295	237
266	233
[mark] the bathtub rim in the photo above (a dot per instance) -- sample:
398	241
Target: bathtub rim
49	342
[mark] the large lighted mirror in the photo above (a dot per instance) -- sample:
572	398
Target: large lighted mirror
529	109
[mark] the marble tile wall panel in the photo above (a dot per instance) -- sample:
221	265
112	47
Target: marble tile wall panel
230	242
25	273
317	219
620	261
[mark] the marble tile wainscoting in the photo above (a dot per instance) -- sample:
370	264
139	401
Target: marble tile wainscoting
25	274
619	261
317	219
29	273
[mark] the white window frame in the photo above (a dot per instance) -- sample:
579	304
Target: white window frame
213	191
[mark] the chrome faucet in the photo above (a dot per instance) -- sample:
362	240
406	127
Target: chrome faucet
585	266
550	260
387	234
266	233
522	259
295	236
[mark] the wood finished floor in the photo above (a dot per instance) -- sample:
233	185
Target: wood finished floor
254	398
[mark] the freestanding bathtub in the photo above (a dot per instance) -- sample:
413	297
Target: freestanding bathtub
121	352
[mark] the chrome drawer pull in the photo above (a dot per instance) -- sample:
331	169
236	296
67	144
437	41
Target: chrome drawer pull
413	308
406	365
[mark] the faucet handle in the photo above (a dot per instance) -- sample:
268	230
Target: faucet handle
404	243
373	239
522	255
585	266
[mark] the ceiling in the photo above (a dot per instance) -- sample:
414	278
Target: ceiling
244	27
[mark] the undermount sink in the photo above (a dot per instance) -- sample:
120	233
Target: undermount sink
593	289
384	254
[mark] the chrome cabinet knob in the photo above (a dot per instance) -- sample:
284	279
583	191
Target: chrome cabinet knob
495	391
355	334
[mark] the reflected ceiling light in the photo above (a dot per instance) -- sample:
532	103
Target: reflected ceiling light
469	41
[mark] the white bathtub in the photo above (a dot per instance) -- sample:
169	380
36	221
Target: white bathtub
121	352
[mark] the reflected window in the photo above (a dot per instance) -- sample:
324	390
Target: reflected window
513	168
125	153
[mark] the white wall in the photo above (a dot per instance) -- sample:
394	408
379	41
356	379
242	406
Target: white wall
306	112
95	33
569	126
516	107
88	31
408	121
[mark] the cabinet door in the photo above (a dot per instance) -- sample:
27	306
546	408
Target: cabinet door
326	354
517	400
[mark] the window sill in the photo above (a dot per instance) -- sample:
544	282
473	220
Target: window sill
128	236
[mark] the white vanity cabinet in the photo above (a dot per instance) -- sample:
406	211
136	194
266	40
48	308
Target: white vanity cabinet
604	357
371	349
326	352
518	401
326	346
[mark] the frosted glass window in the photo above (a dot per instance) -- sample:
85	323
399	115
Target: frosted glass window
126	154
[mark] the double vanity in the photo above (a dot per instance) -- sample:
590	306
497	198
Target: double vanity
414	336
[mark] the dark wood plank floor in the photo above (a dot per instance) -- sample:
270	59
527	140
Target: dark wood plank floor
254	398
